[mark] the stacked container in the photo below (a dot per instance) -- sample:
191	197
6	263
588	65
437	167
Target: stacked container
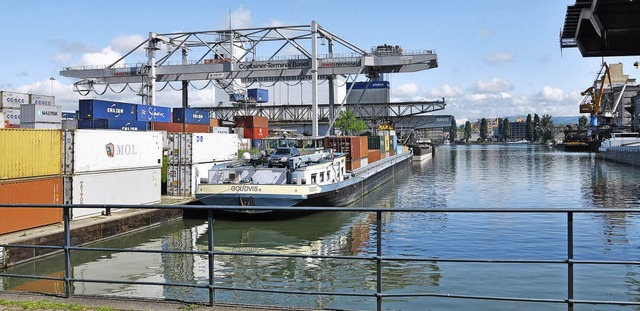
30	173
253	127
102	114
10	106
356	148
38	116
191	155
111	167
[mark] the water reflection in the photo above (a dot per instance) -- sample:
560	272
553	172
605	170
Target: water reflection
501	176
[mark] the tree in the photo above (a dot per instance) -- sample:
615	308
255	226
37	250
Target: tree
536	125
349	124
483	129
545	130
453	131
529	128
506	129
467	131
583	121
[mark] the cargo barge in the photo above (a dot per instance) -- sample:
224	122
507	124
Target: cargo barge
622	147
323	178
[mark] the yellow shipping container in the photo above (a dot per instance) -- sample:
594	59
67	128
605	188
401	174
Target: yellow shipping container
386	143
30	153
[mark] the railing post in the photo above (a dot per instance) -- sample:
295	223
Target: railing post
570	261
379	261
67	251
212	294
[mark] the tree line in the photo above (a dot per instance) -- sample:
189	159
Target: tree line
536	129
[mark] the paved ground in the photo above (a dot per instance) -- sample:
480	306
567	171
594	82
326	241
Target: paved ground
126	304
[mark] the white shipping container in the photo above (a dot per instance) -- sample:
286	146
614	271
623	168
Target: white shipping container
133	187
220	130
12	99
194	148
86	151
69	124
12	115
40	113
183	179
41	125
1	119
42	100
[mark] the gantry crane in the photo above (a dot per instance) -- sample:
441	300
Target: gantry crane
229	59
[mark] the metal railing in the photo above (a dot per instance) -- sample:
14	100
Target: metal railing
378	258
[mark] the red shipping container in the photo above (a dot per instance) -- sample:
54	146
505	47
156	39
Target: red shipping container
256	133
181	128
30	191
374	155
251	122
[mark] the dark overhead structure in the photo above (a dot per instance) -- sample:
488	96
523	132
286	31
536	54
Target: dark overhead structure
603	28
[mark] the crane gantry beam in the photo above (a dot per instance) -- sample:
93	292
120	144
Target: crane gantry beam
232	55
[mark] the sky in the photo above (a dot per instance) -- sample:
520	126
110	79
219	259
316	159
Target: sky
497	58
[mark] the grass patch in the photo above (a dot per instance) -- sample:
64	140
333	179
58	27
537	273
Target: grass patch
49	305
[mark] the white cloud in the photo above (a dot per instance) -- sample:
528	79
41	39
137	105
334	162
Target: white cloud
407	90
446	91
497	58
105	57
496	85
62	57
240	18
552	94
125	43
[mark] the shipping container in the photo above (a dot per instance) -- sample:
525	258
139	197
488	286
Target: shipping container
3	122
374	155
373	142
30	153
89	151
183	179
93	124
181	128
256	133
69	116
190	115
194	148
387	145
214	122
352	145
114	187
40	113
105	124
12	115
13	99
41	125
356	163
153	113
221	130
251	121
46	190
42	100
102	109
69	124
258	95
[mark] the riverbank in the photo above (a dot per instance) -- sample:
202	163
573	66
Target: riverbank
85	230
10	301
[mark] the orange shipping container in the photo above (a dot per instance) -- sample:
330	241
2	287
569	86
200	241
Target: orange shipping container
374	155
181	128
251	122
46	190
256	133
214	122
364	145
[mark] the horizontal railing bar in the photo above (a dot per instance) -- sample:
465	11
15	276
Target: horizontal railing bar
120	250
515	299
31	246
278	291
605	302
605	262
138	283
510	261
27	276
335	209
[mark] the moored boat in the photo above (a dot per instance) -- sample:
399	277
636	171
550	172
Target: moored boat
320	178
622	147
422	150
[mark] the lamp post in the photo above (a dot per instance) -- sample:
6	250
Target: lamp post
52	79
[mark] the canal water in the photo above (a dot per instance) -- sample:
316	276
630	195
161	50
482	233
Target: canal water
494	176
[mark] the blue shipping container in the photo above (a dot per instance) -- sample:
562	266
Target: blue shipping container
154	113
102	109
68	116
189	115
93	124
126	125
259	95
